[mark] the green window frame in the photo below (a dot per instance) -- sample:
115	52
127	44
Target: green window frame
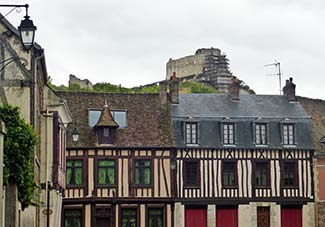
142	175
129	217
74	172
156	217
106	172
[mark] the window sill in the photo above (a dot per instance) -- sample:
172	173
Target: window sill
192	187
261	145
142	186
230	187
192	145
72	186
229	145
105	186
290	187
289	145
263	187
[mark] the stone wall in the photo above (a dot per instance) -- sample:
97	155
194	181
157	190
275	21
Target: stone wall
82	83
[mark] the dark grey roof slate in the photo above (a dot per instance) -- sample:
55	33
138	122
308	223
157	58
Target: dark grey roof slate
221	105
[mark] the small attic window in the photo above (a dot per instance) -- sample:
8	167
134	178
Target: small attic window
118	115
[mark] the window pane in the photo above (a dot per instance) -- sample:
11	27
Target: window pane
137	176
102	176
120	118
78	174
72	218
93	117
155	218
68	173
129	218
147	176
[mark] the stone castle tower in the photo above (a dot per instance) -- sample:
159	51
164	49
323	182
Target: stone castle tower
207	65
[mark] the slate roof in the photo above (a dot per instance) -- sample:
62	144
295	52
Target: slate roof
211	110
148	122
221	105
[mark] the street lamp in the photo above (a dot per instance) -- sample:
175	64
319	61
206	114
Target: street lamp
75	135
26	28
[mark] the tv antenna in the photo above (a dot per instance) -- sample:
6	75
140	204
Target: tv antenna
277	65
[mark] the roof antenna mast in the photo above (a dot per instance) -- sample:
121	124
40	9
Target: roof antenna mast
277	65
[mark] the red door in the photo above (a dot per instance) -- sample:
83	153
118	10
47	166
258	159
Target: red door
227	217
195	217
291	217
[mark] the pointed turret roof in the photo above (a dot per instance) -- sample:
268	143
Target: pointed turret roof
106	119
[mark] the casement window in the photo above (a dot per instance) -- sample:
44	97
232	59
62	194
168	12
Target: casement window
119	116
261	134
142	175
129	217
73	218
289	174
261	174
106	172
155	217
288	134
74	172
228	130
192	174
191	132
104	216
229	176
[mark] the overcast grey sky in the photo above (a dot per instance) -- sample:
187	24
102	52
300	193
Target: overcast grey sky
128	42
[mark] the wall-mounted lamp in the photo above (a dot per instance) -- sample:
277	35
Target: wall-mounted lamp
26	27
75	135
322	141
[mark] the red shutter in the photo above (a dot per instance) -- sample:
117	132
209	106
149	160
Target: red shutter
227	217
195	217
291	217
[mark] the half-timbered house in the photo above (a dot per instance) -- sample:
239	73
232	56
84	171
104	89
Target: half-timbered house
119	172
242	160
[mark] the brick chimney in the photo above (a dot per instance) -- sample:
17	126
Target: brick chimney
173	89
163	92
289	90
234	89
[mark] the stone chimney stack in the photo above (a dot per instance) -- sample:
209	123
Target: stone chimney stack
234	89
163	92
289	90
173	89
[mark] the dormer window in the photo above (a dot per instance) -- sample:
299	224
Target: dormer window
106	127
261	134
191	133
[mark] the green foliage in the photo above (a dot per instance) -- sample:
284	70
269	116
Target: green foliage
196	87
18	155
148	89
246	87
107	87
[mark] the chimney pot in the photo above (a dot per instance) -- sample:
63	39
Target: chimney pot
173	89
289	90
163	92
234	89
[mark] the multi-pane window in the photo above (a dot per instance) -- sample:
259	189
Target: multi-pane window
228	133
155	217
106	172
288	134
289	174
229	174
129	217
191	132
72	218
261	174
74	172
260	134
191	173
142	172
